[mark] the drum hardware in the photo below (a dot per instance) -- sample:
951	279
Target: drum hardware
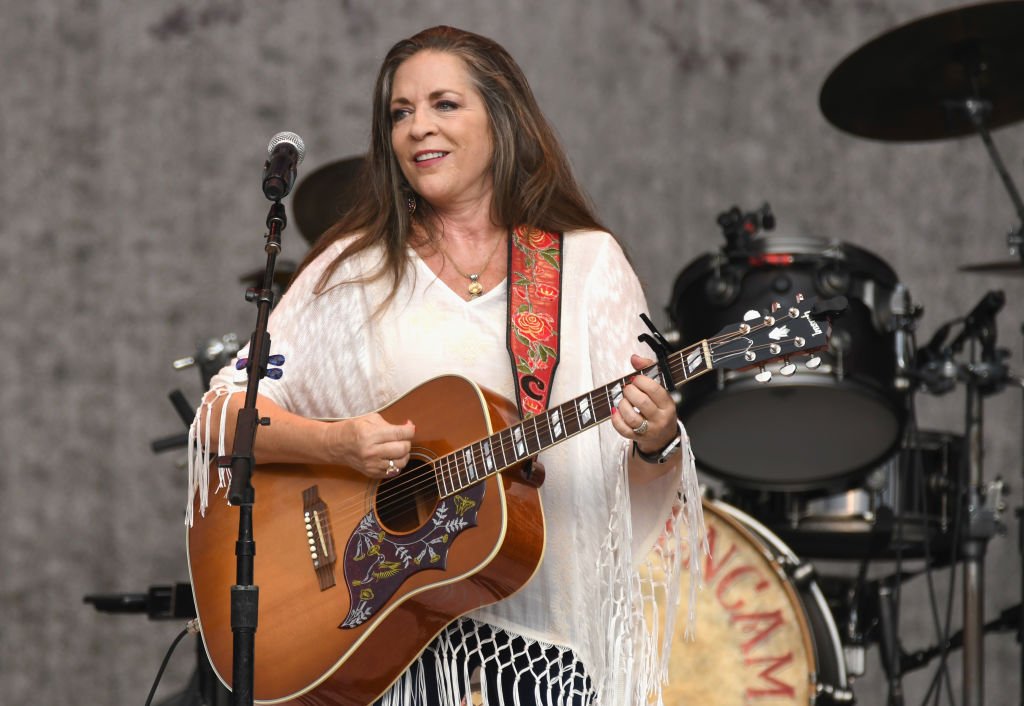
185	411
211	355
169	603
739	227
985	373
955	73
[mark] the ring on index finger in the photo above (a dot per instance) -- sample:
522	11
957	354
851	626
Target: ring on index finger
392	470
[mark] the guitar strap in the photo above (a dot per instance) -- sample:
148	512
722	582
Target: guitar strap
534	314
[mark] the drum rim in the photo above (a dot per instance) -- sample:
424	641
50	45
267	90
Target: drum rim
775	244
795	244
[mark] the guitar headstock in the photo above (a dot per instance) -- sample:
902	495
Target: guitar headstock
793	327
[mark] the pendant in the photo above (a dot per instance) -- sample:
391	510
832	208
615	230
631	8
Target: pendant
475	288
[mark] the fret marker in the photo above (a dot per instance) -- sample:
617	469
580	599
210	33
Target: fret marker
693	361
518	443
586	416
488	458
616	394
470	464
556	424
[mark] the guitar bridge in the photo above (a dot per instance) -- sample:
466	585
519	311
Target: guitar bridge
317	524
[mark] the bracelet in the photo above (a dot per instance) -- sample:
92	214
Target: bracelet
660	456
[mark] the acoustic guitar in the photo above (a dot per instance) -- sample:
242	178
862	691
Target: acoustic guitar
357	576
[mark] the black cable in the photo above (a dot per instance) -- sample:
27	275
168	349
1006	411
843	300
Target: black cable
163	665
916	462
943	632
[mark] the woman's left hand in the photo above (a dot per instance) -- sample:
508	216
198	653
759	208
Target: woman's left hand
646	414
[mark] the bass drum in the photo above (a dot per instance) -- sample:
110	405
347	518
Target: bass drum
817	428
764	631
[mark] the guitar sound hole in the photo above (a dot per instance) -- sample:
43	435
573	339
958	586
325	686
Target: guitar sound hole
405	503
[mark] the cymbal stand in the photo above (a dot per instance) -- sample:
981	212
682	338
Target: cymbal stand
977	111
981	502
985	374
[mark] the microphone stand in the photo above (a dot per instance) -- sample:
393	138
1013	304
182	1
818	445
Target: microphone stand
244	594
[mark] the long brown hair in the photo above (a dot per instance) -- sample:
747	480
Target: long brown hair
533	183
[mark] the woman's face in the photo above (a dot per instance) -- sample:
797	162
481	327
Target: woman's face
441	133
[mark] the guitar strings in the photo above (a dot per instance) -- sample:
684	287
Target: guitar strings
398	496
392	497
426	476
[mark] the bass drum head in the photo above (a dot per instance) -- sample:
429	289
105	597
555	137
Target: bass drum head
801	433
759	638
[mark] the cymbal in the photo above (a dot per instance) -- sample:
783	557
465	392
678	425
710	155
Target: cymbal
325	195
910	83
1014	268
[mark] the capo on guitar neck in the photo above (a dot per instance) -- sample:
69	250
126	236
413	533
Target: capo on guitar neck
661	349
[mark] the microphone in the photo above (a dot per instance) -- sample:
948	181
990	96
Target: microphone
285	153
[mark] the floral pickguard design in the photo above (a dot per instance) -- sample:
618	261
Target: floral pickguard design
377	563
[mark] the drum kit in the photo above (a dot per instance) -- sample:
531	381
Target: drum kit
863	484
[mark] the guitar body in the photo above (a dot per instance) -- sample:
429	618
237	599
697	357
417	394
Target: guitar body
351	589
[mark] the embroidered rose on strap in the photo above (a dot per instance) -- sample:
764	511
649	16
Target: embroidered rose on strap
534	327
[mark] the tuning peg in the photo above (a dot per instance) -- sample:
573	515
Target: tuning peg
813	362
788	368
764	375
752	315
769	321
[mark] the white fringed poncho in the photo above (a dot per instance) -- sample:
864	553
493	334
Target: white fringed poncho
593	592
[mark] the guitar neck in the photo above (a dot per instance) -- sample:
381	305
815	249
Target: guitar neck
498	452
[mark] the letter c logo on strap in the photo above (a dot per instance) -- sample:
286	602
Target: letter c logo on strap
530	384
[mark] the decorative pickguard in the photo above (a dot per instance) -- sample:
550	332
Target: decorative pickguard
376	562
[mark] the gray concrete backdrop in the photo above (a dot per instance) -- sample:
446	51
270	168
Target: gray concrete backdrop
132	143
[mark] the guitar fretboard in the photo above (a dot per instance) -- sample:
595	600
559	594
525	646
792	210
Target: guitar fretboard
502	450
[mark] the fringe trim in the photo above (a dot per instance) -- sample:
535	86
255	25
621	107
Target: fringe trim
660	581
199	456
632	657
562	681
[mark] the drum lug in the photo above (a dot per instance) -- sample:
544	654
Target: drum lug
828	695
801	573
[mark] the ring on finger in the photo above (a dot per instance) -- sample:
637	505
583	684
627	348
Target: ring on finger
641	429
391	469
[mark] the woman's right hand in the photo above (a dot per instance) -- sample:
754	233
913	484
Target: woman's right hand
370	445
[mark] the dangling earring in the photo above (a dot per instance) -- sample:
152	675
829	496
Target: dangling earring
410	203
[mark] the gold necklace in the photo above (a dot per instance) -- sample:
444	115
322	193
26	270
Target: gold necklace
474	287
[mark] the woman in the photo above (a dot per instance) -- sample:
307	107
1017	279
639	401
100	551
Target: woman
412	284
